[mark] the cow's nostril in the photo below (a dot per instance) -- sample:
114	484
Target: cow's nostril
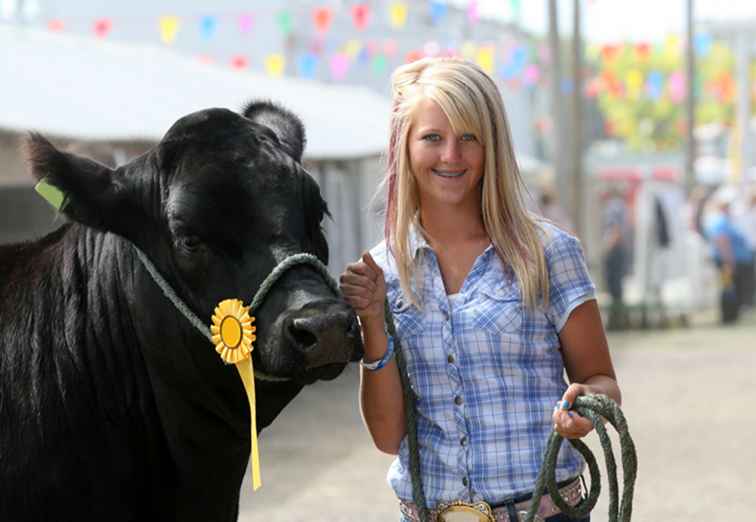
302	337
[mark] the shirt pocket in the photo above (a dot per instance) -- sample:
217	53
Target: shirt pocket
499	310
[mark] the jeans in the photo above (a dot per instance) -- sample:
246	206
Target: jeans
556	518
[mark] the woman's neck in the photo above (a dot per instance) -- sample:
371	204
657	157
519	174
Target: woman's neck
448	226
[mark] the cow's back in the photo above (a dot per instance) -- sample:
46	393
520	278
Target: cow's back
80	436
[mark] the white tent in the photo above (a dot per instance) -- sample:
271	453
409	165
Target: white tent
91	89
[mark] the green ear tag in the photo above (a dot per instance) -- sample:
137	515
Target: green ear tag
53	195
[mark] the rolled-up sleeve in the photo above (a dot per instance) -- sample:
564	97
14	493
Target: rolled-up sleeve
570	284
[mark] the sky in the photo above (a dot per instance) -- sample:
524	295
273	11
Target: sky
618	20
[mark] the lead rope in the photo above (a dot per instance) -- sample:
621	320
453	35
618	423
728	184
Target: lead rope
593	407
418	495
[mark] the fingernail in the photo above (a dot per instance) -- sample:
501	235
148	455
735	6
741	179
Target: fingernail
569	414
565	404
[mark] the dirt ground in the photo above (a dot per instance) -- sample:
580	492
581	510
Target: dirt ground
688	395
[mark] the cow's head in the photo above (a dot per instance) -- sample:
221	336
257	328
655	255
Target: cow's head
217	205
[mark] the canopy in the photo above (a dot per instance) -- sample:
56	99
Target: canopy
85	88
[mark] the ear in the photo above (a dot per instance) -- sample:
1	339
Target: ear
286	126
90	192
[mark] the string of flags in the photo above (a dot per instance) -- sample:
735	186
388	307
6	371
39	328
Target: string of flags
517	63
513	60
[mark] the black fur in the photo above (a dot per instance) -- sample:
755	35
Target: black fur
288	128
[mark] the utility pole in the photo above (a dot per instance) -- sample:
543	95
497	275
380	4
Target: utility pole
576	128
743	105
558	145
690	100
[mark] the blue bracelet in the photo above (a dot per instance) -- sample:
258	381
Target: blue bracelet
383	361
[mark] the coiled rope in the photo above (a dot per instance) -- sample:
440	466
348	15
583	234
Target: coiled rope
593	407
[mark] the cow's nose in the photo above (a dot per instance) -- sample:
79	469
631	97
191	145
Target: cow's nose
331	336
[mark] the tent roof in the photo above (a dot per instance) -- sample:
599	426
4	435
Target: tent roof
85	88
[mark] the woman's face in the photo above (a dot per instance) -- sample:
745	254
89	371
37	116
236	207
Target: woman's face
448	168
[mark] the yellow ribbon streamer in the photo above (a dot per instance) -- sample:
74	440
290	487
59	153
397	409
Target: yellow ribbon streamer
233	335
246	372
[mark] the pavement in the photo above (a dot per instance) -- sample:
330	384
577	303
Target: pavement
687	396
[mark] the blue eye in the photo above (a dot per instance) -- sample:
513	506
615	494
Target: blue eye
431	137
468	136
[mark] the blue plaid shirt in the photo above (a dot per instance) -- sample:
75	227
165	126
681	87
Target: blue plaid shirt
486	370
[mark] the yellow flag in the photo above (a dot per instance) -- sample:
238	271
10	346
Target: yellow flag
353	48
485	58
275	65
634	83
398	14
169	27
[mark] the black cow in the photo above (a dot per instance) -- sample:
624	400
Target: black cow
112	405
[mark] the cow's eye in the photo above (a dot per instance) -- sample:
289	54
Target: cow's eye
189	244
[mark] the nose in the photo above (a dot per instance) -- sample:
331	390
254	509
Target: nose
452	151
325	333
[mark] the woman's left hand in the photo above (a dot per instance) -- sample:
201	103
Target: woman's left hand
568	423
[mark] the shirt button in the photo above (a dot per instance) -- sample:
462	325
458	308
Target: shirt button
463	440
458	400
450	358
464	481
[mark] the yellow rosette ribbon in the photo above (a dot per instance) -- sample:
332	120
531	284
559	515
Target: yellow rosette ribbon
233	336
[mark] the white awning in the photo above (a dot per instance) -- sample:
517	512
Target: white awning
85	88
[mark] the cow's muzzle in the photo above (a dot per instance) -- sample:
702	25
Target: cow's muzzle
324	333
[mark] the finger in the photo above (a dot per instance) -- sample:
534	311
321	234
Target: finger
349	291
358	280
570	394
368	260
360	268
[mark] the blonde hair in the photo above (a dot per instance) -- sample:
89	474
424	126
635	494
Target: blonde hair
471	101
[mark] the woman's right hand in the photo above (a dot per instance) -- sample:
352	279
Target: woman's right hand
364	288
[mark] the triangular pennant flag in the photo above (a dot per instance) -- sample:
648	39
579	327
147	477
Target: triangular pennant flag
169	26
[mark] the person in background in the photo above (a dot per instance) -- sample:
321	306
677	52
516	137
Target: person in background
732	256
615	255
551	210
491	305
746	223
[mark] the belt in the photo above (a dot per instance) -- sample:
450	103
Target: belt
460	511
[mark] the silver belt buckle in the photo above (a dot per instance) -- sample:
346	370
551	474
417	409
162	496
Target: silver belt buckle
521	517
465	512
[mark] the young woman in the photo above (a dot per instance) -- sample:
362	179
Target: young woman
491	305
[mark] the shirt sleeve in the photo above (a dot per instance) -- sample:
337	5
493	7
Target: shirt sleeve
570	283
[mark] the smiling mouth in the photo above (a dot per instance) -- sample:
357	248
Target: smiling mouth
448	173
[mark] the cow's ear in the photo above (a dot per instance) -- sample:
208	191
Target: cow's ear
286	126
89	192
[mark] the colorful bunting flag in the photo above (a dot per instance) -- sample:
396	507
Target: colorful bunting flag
208	25
379	64
398	14
246	20
339	66
55	25
284	21
472	12
239	62
360	16
169	26
307	65
322	17
275	65
438	10
102	27
485	59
